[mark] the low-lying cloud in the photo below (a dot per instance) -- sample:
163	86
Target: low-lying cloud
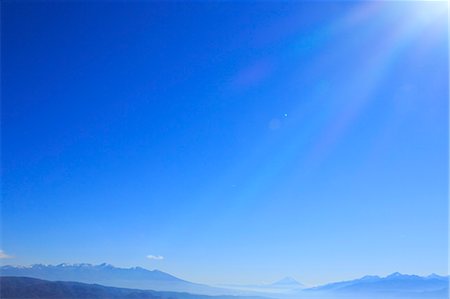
155	257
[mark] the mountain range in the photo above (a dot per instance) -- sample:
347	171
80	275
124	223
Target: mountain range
32	288
108	275
391	286
395	285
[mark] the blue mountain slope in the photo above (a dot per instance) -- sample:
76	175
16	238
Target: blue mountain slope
109	275
288	283
394	285
26	288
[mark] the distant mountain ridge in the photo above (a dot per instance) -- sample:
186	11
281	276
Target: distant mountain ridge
396	285
25	287
287	282
108	275
84	269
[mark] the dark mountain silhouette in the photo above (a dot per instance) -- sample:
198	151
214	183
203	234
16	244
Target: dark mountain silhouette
108	275
32	288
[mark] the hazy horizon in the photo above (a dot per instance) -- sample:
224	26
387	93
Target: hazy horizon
224	284
254	284
227	142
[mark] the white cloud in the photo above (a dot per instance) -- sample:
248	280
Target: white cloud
155	257
4	255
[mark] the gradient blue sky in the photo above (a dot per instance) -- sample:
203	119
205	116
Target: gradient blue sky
242	141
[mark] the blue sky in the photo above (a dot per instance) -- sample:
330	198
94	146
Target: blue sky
241	141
